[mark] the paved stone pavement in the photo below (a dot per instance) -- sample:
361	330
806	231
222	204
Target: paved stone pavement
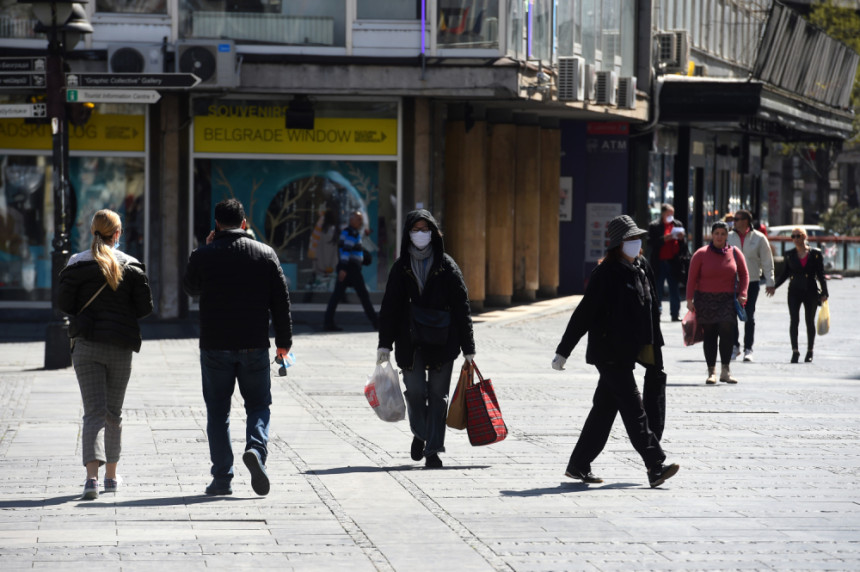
768	480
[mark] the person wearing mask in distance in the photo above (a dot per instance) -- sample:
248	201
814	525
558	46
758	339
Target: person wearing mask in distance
426	277
666	242
240	282
759	259
617	312
349	274
718	275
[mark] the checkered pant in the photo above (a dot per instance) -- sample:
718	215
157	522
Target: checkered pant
103	371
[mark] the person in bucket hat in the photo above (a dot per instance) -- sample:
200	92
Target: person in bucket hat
621	316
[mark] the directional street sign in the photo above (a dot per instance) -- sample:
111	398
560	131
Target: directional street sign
132	80
22	65
28	80
113	95
23	110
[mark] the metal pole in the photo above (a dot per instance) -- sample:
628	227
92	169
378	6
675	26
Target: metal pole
57	355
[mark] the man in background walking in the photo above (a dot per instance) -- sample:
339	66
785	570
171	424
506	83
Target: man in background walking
240	282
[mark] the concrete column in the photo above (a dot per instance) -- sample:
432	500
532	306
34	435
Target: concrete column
501	185
172	262
527	207
422	155
550	171
465	197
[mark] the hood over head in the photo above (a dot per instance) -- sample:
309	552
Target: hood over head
436	235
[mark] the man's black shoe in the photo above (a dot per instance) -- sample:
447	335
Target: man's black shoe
219	488
585	477
259	478
417	450
433	461
676	319
658	475
332	328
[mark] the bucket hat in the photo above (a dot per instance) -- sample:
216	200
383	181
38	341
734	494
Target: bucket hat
622	228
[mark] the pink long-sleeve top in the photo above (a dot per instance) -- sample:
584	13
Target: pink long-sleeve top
714	272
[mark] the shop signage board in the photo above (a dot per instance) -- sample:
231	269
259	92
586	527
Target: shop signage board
25	80
110	132
22	65
23	110
131	80
146	96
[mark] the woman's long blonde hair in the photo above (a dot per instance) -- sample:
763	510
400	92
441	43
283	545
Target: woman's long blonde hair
105	225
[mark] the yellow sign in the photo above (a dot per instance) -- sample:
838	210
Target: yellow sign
100	133
330	136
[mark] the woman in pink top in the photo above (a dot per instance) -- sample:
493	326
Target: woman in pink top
711	293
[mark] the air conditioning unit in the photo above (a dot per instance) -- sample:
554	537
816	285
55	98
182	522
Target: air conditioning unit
673	51
605	86
589	83
135	58
213	61
571	79
627	92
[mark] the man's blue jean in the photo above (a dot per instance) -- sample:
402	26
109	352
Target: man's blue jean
221	369
749	326
664	273
427	402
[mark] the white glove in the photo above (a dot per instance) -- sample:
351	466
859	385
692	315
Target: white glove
468	357
558	362
382	355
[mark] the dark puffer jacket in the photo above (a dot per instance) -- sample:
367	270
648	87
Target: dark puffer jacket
445	289
115	313
619	313
239	280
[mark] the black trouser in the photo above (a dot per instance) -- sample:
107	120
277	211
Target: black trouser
355	280
726	332
749	326
654	399
810	307
616	393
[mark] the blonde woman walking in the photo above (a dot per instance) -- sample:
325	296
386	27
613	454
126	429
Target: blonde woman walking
107	292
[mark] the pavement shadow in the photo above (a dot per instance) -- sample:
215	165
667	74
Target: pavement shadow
366	469
107	501
35	503
567	488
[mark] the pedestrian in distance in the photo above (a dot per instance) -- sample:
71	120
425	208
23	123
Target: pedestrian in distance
352	257
240	284
759	260
804	269
425	285
107	292
667	244
718	275
617	312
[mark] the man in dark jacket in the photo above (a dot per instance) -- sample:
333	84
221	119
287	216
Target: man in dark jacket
239	282
351	258
667	245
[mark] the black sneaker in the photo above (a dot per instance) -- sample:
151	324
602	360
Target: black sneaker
417	450
259	478
219	488
433	461
584	476
659	475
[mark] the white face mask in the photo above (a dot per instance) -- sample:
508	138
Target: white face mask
670	218
631	247
420	238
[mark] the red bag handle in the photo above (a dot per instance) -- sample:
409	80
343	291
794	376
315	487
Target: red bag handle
473	369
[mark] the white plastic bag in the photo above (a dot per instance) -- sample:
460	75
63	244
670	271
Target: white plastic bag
383	393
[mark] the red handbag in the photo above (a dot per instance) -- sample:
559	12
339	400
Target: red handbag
484	422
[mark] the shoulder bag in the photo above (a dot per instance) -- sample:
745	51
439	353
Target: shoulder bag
81	324
739	309
428	326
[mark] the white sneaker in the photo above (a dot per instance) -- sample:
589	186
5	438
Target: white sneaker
736	351
747	355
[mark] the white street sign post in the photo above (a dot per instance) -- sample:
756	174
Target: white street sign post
15	110
113	95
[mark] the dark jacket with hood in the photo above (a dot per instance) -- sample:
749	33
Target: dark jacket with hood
444	289
239	281
621	314
114	313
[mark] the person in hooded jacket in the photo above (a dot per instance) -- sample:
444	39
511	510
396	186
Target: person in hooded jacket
425	279
107	292
621	317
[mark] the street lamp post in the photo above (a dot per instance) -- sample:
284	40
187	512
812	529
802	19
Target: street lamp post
64	22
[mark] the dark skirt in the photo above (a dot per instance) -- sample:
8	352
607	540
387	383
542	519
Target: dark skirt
714	307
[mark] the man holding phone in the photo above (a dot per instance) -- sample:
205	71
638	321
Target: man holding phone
240	282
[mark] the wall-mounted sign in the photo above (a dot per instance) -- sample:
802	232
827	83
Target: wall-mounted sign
597	217
100	133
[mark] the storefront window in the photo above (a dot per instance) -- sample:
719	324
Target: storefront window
516	15
17	21
114	180
541	31
591	31
132	6
291	22
569	28
611	25
295	203
468	24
